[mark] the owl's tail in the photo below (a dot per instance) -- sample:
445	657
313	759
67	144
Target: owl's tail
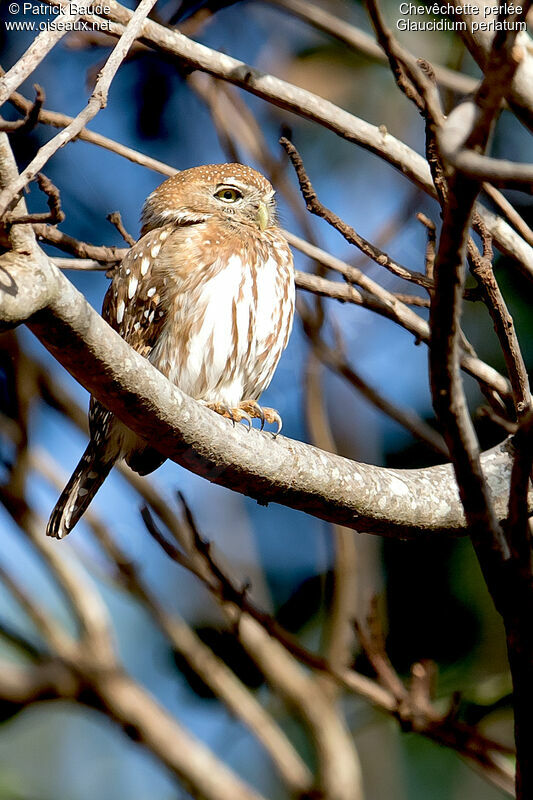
85	481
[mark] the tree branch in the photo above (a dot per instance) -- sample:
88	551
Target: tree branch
391	502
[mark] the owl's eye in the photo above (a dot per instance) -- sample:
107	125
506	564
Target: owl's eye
228	194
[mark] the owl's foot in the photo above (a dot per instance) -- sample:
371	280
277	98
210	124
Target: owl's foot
234	414
269	415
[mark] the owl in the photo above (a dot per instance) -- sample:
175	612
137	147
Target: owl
207	296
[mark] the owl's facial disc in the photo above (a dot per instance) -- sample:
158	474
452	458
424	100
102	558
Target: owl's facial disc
245	203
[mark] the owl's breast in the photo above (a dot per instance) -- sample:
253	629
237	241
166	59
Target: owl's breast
228	323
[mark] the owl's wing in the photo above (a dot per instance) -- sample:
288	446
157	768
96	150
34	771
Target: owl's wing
132	306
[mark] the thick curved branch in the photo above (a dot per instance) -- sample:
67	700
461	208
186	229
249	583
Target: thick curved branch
360	496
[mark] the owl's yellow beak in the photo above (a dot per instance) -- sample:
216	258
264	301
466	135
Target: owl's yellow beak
262	216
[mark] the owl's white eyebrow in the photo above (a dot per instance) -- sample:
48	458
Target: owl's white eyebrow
233	183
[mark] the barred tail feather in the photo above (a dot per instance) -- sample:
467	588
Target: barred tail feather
85	481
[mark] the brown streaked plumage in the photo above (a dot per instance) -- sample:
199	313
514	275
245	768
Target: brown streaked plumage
207	296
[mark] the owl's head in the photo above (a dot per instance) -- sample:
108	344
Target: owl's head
230	192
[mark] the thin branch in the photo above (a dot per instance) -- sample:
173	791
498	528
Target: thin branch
274	651
416	711
97	101
479	40
503	325
499	171
55	638
193	762
116	220
53	217
431	245
31	116
510	212
79	592
105	255
378	299
339	625
416	79
38	49
316	207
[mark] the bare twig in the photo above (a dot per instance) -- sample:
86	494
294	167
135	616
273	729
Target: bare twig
116	220
31	117
378	299
96	102
499	171
52	217
510	212
503	324
431	243
340	634
316	207
104	255
480	40
273	650
39	48
53	635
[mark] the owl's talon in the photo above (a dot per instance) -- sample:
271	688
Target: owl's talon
269	415
275	417
233	414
